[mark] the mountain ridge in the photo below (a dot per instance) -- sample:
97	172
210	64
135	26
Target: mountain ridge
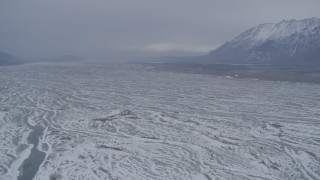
9	60
287	42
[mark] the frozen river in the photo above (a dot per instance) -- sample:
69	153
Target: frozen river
129	122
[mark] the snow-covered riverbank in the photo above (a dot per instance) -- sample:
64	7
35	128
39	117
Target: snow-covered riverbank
123	121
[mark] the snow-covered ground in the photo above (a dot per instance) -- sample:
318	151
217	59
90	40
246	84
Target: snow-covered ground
127	122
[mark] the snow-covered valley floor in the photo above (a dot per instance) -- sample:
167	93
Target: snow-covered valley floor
128	122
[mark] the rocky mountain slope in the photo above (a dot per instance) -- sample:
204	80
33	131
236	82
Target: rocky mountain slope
289	42
8	60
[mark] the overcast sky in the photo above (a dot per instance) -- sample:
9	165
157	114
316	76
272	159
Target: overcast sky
119	28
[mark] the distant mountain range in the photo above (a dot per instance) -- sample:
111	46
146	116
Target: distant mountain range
9	60
65	58
289	42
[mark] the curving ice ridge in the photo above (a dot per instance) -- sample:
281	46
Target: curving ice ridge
122	122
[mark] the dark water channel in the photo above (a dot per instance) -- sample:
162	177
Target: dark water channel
31	165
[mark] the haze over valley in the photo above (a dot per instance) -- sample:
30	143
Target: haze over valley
163	90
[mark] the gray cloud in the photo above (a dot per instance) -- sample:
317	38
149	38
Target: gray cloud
121	28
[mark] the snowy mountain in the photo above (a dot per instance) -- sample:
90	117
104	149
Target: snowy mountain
294	42
8	60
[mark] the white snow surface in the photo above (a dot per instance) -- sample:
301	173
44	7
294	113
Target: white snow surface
128	122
